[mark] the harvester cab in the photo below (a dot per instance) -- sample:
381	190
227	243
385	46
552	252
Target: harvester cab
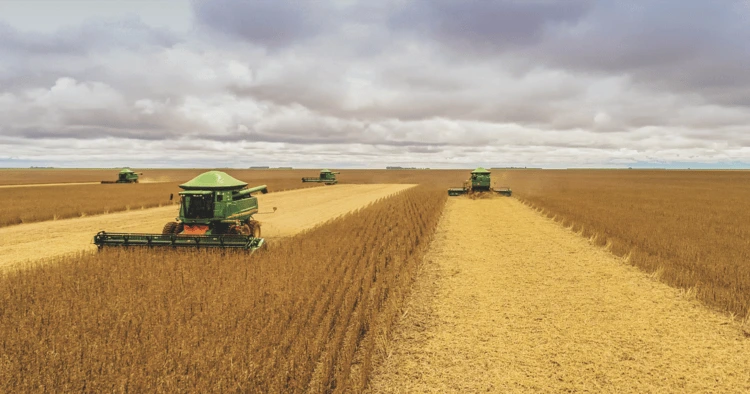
478	182
126	175
216	210
327	177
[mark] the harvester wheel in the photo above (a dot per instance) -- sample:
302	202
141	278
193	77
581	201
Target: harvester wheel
254	228
169	228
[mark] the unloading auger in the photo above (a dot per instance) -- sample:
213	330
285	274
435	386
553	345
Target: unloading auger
216	211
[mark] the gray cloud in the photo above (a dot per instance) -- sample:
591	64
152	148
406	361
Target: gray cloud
688	46
265	22
484	26
35	59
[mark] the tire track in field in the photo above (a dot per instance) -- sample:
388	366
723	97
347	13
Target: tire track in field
298	210
510	301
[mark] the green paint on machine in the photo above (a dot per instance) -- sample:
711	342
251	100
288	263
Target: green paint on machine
326	176
126	175
479	182
216	210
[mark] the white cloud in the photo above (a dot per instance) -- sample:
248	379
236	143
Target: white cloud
69	95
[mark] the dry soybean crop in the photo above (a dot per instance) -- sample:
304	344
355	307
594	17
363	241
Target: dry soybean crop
311	313
689	228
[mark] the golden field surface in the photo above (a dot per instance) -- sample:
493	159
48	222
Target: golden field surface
36	204
689	228
307	315
20	177
40	203
26	176
23	204
53	176
379	285
510	301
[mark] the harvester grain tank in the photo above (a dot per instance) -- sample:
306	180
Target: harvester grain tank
479	182
126	175
216	211
326	176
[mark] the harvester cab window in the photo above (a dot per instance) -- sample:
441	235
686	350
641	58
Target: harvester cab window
199	206
219	197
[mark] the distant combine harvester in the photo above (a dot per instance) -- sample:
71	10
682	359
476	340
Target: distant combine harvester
327	177
126	175
478	182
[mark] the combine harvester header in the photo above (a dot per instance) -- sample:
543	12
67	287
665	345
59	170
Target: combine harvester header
216	211
326	176
479	182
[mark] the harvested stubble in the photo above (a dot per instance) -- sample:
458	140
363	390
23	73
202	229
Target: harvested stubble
304	315
689	228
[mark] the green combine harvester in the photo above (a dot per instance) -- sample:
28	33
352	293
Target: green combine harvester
126	175
479	183
326	176
216	211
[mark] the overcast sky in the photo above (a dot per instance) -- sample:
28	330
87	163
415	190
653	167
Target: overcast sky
345	83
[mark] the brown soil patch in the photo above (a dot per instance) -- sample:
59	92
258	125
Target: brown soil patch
298	210
510	301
